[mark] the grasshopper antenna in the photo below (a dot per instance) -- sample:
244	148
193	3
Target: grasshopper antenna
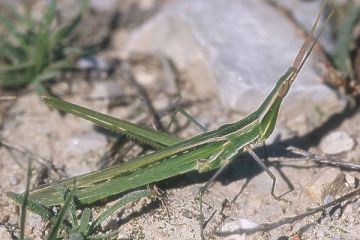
311	41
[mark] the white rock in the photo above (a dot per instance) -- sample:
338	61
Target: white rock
106	90
236	50
84	143
337	142
104	5
241	223
4	234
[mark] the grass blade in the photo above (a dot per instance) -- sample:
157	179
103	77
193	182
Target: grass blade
10	53
59	219
10	27
25	201
49	15
63	32
84	221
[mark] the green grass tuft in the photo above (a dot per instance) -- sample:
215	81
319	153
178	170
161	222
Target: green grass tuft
33	52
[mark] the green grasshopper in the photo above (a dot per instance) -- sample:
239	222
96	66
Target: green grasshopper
204	152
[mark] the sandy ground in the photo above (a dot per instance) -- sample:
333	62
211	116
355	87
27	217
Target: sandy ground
74	146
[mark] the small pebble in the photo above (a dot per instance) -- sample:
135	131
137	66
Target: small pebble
356	206
106	90
337	142
13	180
242	223
326	183
351	219
351	180
93	63
336	213
4	234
